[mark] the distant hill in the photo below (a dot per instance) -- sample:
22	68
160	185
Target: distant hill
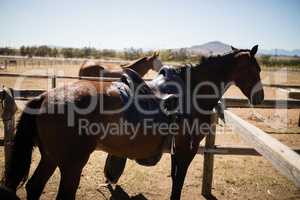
217	47
210	48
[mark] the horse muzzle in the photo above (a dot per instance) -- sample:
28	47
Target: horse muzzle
257	97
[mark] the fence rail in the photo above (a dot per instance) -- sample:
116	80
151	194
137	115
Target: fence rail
57	77
282	85
282	157
228	102
291	92
24	95
267	103
114	79
24	61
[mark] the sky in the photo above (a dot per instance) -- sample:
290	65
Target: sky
150	24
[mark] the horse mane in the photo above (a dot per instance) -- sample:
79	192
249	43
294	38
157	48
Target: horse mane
216	59
91	62
137	62
209	63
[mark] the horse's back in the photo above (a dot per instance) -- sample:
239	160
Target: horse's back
65	128
62	117
90	68
99	71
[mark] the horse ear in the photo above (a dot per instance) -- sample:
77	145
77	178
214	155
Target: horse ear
233	48
253	51
154	54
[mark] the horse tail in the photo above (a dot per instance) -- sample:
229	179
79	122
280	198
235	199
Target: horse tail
19	161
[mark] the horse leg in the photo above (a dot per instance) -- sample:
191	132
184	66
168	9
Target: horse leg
180	163
70	177
37	182
114	167
69	182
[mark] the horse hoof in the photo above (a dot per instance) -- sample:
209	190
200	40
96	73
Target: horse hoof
104	185
7	195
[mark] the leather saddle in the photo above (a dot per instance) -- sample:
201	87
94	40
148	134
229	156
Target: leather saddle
138	86
159	95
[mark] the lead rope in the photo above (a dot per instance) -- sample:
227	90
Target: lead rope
173	145
174	118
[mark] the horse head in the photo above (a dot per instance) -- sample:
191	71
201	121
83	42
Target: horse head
155	61
246	74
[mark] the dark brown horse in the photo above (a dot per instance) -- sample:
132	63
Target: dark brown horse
141	66
115	165
52	121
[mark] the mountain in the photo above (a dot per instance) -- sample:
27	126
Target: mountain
217	47
209	48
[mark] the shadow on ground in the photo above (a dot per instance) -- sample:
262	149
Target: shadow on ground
119	194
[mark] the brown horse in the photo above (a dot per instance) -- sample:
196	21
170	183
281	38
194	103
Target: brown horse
52	121
141	66
115	165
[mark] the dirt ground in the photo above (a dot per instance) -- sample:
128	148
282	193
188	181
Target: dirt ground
235	177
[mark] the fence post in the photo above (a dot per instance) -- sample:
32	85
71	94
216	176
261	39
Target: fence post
208	163
8	110
53	81
9	127
5	64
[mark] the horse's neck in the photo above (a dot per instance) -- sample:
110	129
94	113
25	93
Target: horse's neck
140	68
218	84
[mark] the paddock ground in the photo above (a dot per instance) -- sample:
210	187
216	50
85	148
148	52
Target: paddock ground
235	177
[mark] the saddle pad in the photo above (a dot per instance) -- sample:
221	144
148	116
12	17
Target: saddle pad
169	82
140	109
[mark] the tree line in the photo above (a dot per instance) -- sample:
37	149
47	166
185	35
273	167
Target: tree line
90	52
275	61
170	55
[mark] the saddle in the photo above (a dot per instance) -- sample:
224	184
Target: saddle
139	87
160	94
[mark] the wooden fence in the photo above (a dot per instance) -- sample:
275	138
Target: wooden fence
284	159
24	61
